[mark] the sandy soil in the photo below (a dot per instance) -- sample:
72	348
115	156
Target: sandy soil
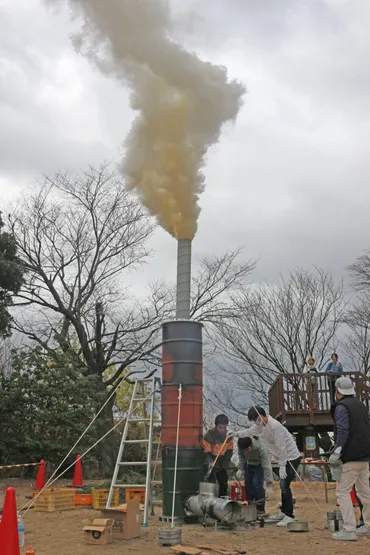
51	533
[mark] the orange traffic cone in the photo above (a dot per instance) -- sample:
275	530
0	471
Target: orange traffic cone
78	481
40	478
9	525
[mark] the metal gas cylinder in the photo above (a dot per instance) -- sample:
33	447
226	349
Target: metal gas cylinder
249	513
224	510
208	488
193	505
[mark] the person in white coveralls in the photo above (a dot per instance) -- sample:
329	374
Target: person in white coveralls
282	447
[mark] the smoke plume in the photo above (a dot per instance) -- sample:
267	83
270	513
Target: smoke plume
180	102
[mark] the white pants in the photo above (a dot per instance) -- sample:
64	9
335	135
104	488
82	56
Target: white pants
353	474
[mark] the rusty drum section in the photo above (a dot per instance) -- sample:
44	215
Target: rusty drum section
182	364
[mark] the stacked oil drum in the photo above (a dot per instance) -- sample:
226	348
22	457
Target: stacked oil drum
182	364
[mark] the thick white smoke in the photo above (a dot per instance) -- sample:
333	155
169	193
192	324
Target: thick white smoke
181	103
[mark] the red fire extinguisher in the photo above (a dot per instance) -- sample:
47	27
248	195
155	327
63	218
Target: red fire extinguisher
234	491
237	491
354	498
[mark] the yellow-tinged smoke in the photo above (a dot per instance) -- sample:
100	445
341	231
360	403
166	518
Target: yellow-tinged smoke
180	100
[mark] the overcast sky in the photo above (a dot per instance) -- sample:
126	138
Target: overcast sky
290	180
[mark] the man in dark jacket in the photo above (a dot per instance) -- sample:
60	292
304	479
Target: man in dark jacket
219	444
352	454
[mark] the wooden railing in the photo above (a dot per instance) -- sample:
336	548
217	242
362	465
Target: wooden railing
305	393
363	389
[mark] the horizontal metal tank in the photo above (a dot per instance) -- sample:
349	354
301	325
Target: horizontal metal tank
223	510
182	364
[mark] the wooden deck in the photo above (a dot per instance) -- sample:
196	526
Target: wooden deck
298	402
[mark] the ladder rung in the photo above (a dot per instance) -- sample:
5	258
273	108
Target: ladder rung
136	440
154	483
141	399
139	419
141	441
136	463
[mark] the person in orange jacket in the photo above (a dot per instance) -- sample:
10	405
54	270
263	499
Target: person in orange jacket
219	444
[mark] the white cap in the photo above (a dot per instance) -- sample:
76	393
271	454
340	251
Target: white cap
344	386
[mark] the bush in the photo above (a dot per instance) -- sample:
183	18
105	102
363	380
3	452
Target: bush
45	405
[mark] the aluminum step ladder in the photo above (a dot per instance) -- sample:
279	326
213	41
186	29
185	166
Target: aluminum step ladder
145	396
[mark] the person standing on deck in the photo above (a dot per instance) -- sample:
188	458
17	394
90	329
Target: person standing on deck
310	368
283	448
333	367
219	444
351	454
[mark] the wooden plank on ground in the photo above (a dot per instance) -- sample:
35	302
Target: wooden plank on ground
220	550
186	550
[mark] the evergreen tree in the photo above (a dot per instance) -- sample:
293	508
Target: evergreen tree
11	277
45	405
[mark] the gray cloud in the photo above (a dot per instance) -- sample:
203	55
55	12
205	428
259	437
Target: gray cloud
288	181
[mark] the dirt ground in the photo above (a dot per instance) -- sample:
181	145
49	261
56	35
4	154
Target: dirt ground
51	533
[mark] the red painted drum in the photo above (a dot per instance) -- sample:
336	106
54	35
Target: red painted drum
182	364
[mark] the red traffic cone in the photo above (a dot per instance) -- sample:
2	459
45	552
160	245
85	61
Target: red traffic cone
9	525
40	478
78	481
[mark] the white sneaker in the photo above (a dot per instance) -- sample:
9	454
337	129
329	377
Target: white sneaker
344	536
286	520
363	531
277	517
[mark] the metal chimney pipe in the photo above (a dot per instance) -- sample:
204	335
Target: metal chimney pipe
183	279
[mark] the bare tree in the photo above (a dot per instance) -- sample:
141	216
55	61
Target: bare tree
276	326
218	279
6	347
357	341
75	238
360	273
79	238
